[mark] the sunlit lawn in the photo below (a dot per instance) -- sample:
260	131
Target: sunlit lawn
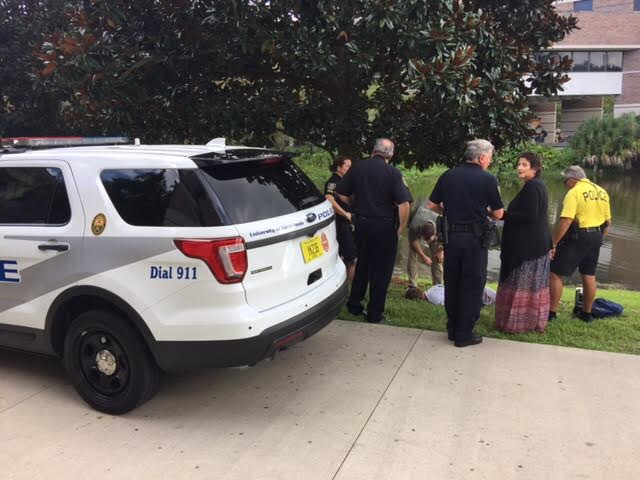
615	334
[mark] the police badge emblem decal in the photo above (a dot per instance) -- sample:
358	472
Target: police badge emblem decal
98	224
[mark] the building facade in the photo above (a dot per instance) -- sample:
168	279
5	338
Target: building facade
606	63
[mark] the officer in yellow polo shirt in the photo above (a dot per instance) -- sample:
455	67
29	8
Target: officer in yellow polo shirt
584	221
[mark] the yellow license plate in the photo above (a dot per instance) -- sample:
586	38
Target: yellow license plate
311	249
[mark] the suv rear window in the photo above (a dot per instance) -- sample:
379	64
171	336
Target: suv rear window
33	196
258	190
160	197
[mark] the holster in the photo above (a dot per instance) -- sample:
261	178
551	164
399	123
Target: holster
442	229
572	233
484	233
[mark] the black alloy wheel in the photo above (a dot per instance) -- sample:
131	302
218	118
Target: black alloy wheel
104	362
108	363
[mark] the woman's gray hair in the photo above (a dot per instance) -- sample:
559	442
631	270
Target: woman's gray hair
477	147
384	146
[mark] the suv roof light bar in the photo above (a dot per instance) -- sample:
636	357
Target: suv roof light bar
52	142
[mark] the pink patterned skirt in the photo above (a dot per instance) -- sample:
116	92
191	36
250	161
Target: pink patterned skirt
522	300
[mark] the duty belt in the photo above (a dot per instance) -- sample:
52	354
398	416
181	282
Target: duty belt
590	229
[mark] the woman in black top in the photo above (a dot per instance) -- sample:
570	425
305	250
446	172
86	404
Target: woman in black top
522	302
344	233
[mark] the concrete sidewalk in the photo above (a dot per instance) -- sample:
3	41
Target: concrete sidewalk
356	401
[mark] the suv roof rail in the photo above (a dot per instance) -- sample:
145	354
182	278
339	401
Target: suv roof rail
54	142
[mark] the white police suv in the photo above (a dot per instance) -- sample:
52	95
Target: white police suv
131	260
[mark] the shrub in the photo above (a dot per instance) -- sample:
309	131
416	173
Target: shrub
607	142
315	162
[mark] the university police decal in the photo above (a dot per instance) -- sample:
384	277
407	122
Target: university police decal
98	224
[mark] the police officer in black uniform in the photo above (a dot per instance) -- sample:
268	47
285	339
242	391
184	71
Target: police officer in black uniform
465	195
380	201
344	233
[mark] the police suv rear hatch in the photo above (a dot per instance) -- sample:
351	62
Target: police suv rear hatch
287	225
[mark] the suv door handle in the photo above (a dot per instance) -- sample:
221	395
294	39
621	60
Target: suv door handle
58	247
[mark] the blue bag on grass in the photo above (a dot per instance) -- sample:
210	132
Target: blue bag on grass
605	308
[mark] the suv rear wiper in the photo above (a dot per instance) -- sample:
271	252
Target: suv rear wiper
308	200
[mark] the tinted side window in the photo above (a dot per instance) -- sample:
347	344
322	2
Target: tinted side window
33	195
160	197
251	191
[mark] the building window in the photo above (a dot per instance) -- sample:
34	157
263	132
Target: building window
636	5
557	57
614	60
583	61
597	62
580	62
584	6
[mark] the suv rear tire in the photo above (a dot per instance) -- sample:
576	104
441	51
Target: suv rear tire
108	364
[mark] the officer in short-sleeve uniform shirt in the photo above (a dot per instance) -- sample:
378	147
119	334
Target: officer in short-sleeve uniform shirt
465	195
586	206
380	203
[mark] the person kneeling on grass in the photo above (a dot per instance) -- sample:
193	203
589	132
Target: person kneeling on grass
422	233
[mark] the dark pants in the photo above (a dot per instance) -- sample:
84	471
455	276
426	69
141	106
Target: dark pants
465	274
377	245
582	253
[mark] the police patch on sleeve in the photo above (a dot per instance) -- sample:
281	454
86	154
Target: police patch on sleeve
331	187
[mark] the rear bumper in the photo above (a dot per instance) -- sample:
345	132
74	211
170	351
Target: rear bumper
181	356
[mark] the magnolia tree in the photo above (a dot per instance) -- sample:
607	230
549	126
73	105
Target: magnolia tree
428	73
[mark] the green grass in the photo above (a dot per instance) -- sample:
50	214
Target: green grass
614	334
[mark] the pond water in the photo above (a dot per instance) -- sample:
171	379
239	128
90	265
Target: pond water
619	256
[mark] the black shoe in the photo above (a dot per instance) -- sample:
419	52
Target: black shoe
450	336
585	316
356	311
552	315
576	310
473	340
382	320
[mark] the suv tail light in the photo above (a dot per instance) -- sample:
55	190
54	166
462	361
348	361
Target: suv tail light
225	257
